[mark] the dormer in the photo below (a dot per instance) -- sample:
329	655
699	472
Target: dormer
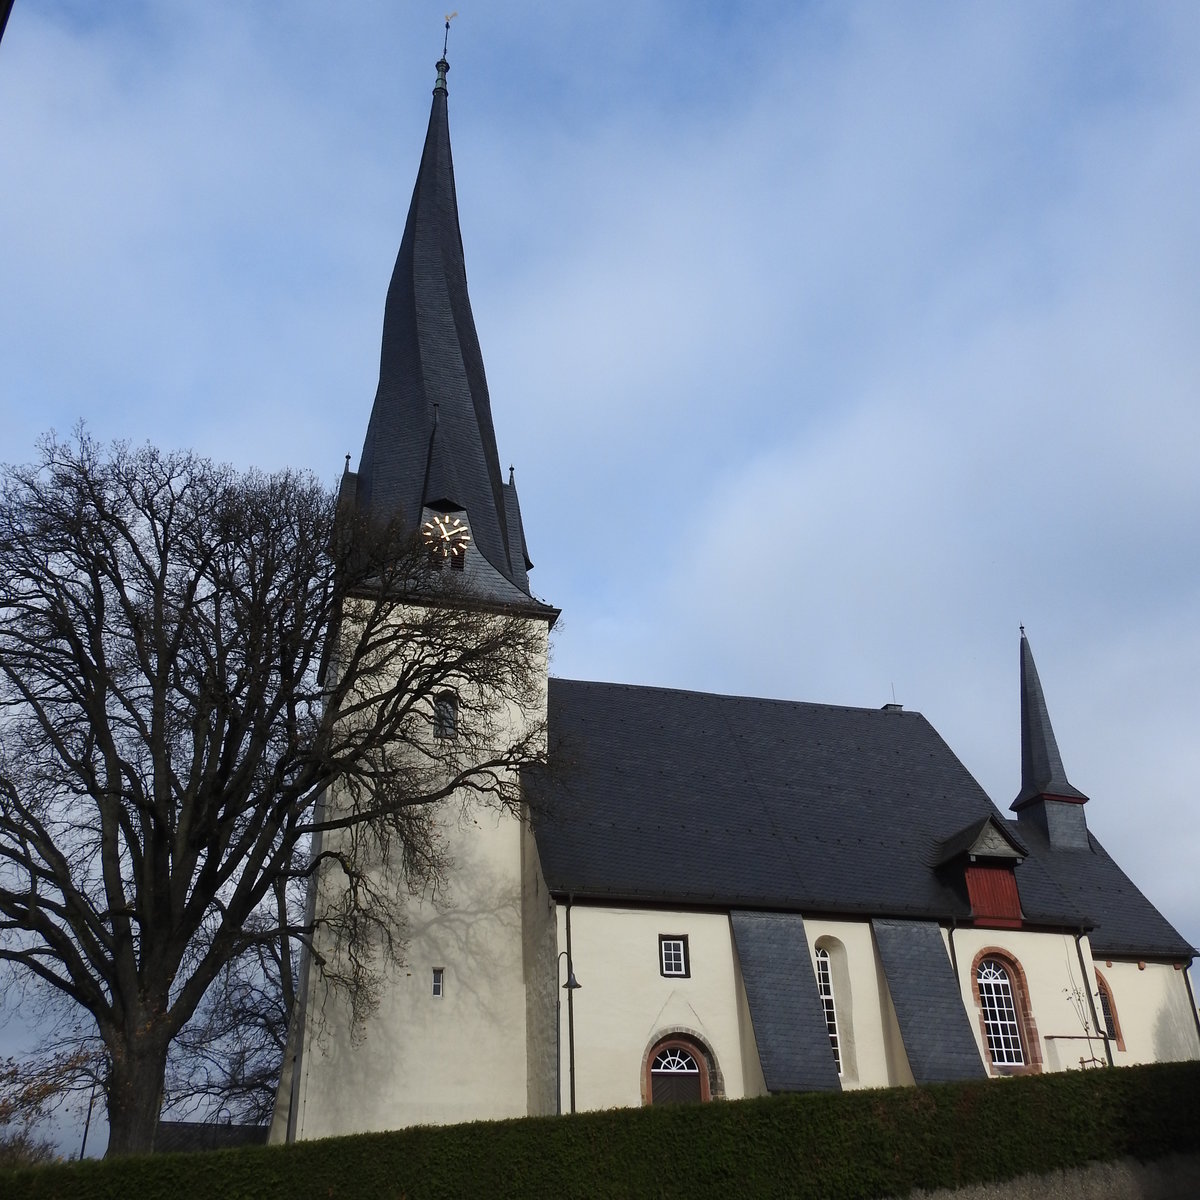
987	854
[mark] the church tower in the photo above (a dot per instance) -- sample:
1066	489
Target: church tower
448	1040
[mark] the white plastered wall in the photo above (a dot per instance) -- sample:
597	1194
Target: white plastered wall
541	958
423	1059
872	1049
624	1004
1153	1012
1059	992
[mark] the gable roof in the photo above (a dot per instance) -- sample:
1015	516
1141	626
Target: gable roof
988	837
692	799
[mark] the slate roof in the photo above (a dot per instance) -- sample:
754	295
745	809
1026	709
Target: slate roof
430	439
968	839
938	1041
1123	922
789	1022
1042	771
692	799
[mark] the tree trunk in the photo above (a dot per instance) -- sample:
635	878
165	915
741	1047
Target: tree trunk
135	1088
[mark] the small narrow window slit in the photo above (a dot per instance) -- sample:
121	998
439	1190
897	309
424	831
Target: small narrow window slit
445	715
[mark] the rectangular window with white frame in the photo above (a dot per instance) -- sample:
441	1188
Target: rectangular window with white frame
673	955
438	983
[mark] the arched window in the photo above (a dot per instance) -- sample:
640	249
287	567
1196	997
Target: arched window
445	715
999	1014
679	1069
825	987
1005	1017
1108	1013
834	988
675	1077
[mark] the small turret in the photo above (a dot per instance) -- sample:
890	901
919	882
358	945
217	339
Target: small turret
1047	797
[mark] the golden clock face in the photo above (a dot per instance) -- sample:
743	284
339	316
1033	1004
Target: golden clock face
446	535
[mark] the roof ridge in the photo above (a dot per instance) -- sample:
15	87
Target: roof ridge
770	700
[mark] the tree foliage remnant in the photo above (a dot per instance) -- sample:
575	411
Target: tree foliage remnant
28	1092
192	659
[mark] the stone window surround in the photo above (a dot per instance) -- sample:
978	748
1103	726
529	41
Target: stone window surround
712	1082
1104	989
1030	1042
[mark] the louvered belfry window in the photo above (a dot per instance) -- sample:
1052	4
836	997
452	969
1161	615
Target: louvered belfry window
1000	1014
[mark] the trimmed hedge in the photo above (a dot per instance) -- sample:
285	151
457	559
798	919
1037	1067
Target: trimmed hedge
851	1146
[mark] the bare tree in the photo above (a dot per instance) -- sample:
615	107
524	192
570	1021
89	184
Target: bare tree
225	1063
192	660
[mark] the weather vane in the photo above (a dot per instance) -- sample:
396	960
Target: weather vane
446	40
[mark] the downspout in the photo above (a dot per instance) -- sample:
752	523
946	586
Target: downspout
1087	988
1191	995
570	1006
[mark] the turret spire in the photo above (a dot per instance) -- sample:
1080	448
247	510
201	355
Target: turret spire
1046	793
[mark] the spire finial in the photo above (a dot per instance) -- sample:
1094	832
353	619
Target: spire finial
347	462
442	65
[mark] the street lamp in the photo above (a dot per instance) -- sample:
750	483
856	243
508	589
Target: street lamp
571	986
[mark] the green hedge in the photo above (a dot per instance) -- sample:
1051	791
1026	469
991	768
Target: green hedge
851	1146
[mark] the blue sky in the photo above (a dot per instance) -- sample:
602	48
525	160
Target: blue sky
830	341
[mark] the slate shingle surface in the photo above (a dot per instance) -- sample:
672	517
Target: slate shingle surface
785	1006
1042	771
430	436
731	802
1123	923
933	1023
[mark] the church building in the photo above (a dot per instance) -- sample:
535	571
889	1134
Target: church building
709	896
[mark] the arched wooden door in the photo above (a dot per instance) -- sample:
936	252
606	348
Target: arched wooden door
677	1075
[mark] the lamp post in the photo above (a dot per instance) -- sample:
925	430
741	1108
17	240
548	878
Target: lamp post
571	986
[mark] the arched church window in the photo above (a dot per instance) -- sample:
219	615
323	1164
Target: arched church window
1000	1022
1006	1022
825	988
445	715
1108	1013
834	988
